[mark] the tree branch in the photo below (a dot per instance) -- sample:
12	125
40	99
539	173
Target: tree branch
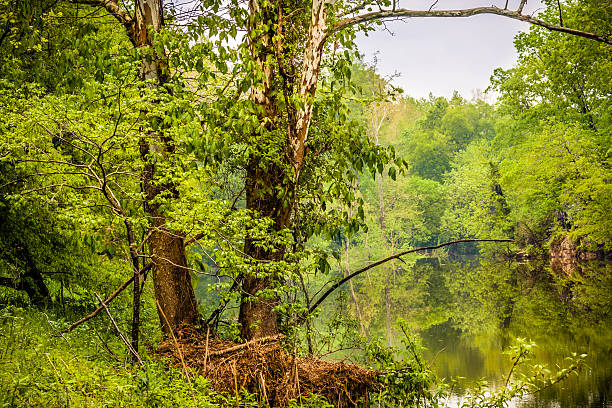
382	261
107	301
405	13
112	7
121	335
268	339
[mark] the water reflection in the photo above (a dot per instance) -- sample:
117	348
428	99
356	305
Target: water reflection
489	304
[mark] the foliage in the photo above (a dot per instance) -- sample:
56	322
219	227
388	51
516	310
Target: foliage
407	379
383	173
42	367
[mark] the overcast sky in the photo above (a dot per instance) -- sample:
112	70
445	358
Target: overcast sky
440	55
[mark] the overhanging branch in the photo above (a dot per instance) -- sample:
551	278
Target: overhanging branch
113	8
385	260
516	15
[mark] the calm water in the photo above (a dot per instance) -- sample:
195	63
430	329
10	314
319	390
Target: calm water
483	306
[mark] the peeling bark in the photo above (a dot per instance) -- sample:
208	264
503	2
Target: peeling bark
311	66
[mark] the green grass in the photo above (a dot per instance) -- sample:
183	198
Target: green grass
40	368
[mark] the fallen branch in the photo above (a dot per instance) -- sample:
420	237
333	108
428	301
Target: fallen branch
106	302
268	339
123	338
382	261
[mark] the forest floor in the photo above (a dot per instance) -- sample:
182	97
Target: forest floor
265	368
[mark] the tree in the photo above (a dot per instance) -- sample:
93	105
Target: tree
555	141
174	292
282	124
287	46
82	142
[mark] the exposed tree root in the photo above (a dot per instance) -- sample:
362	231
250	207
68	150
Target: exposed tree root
263	367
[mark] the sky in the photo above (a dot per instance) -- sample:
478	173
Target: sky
441	55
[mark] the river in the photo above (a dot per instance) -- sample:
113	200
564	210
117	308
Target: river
489	304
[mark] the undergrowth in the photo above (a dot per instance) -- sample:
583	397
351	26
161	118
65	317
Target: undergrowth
88	368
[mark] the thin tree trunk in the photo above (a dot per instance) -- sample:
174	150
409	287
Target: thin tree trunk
378	115
171	279
136	289
388	309
352	289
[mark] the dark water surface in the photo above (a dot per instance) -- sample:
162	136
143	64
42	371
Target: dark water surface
564	309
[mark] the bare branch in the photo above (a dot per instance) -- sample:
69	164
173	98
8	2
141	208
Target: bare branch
382	261
107	301
52	161
123	338
50	173
113	9
405	13
78	188
560	13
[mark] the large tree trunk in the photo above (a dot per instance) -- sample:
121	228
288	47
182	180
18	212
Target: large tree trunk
171	279
257	317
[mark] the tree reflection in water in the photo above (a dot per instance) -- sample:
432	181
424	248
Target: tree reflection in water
490	303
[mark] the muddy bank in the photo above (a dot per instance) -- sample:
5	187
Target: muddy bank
566	254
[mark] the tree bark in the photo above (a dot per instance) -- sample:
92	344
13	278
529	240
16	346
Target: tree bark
263	178
388	308
256	315
171	278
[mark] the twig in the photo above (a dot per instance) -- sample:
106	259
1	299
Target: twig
107	301
123	338
206	352
178	349
235	380
95	312
268	339
263	388
106	346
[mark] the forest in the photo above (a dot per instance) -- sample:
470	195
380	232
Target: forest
225	204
